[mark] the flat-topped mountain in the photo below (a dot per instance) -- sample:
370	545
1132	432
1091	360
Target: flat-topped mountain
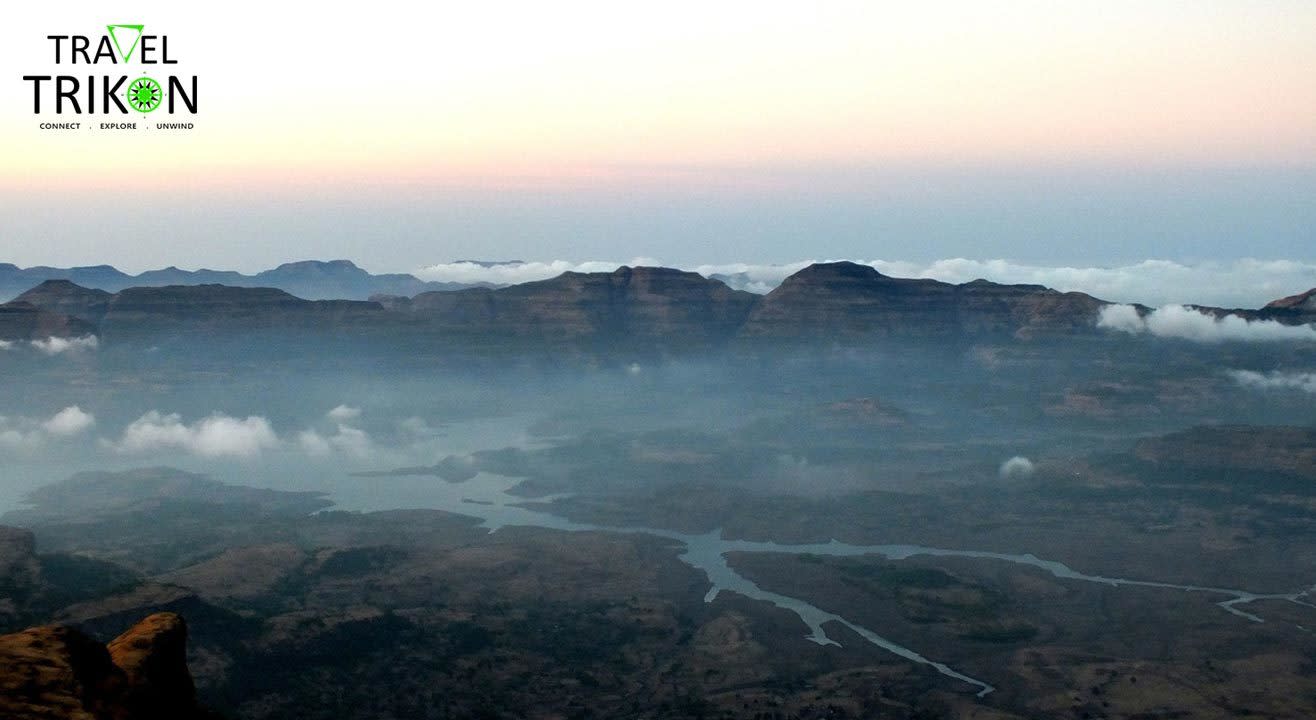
219	308
308	279
845	300
642	305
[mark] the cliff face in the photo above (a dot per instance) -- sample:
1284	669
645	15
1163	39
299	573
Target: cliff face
138	313
59	672
849	301
665	308
631	312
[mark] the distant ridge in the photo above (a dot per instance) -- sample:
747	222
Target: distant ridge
307	279
631	312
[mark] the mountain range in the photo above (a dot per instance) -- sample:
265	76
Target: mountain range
309	279
633	310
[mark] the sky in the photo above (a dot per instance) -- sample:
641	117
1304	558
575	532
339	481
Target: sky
404	135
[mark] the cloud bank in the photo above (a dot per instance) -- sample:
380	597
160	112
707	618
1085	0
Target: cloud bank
1178	321
344	439
69	421
58	345
1239	283
216	436
28	433
1276	380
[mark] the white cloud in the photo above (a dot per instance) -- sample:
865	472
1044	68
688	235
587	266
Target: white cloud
514	273
1124	318
1238	283
417	426
58	345
215	436
22	433
343	413
1178	321
6	344
1276	380
13	438
69	421
346	439
1017	468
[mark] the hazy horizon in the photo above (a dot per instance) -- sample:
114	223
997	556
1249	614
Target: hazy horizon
1046	133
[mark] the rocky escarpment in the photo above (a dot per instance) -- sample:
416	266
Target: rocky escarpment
60	672
219	310
643	307
628	313
846	300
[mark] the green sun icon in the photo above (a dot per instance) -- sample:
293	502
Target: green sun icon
145	94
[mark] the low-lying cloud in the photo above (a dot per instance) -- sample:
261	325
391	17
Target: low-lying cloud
1276	380
216	436
59	345
1238	283
344	438
1178	321
24	433
69	421
344	413
1017	468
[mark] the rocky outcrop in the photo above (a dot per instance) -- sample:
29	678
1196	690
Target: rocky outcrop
59	672
847	301
153	656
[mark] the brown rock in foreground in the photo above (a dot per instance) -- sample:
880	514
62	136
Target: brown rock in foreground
59	672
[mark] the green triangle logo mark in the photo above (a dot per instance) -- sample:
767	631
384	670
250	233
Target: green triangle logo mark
134	31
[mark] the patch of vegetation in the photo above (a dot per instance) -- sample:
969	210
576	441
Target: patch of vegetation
361	561
1000	633
74	578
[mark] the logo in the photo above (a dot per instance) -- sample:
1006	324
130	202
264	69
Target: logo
121	76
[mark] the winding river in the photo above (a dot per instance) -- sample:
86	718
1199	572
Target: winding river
487	497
